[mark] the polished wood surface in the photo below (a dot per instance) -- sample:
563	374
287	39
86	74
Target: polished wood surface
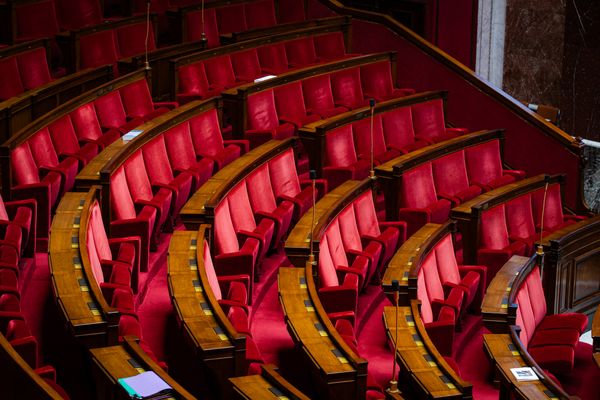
127	359
496	308
336	370
422	370
268	385
596	330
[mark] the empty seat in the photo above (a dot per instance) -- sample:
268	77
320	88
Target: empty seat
273	59
77	14
98	49
484	166
33	68
11	84
138	101
231	18
301	52
330	46
451	180
67	143
429	124
193	83
194	27
36	20
219	71
357	264
554	218
318	96
246	65
399	132
347	89
22	214
111	113
262	120
519	221
362	139
260	14
131	39
341	161
88	129
289	102
378	84
419	203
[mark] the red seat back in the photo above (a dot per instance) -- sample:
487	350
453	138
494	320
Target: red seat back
206	133
289	101
483	162
327	273
525	315
100	239
240	208
553	212
10	84
86	122
450	173
246	64
536	295
301	52
36	20
398	127
446	260
336	244
194	27
98	49
426	312
260	14
225	238
260	190
366	216
192	79
330	46
180	147
273	57
63	135
110	110
33	67
346	86
418	190
493	230
131	39
137	177
317	92
284	177
90	245
435	290
362	137
339	147
291	11
75	14
23	165
219	71
231	18
376	78
349	229
157	161
519	217
261	110
209	267
137	99
42	149
428	119
120	198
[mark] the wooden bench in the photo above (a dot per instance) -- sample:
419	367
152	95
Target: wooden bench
336	370
268	385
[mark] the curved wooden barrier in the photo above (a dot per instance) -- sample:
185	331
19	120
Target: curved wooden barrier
268	385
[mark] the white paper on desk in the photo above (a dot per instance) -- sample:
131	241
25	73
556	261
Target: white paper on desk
146	384
524	374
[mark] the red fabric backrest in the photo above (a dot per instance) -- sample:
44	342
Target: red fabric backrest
301	51
289	100
362	137
33	67
417	189
157	161
192	79
131	39
206	133
93	256
260	14
120	198
327	273
284	177
493	230
10	84
74	14
291	11
519	321
526	311
180	147
86	122
63	135
137	177
110	110
261	111
231	18
246	64
99	233
426	312
553	213
376	78
339	147
346	86
450	173
330	45
97	49
194	27
225	237
435	291
36	20
336	244
349	229
536	295
240	208
483	162
446	260
317	92
209	267
260	190
519	217
137	99
398	127
3	212
366	216
219	71
23	165
428	118
42	149
273	57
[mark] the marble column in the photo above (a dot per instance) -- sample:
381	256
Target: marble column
491	22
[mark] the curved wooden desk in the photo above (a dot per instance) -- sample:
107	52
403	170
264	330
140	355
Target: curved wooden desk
268	385
596	335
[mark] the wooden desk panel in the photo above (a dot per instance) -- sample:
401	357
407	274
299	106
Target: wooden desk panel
596	331
90	174
268	385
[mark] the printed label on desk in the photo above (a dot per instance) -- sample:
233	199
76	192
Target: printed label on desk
193	264
447	381
135	364
303	282
74	242
77	262
83	286
93	308
220	333
309	306
321	329
417	340
338	354
197	286
429	360
206	308
278	393
194	244
76	222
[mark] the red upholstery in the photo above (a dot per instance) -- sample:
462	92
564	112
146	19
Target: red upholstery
36	20
359	266
231	18
263	122
138	101
318	96
289	102
88	127
495	247
131	39
347	90
273	58
301	52
182	156
341	161
111	113
194	27
330	46
362	139
246	66
67	144
21	214
209	143
291	11
97	49
554	218
260	14
429	124
398	131
435	290
219	71
418	199
519	220
451	180
234	286
33	68
11	84
484	166
193	83
377	82
74	14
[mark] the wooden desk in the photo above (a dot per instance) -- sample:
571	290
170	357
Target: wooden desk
596	333
498	313
335	369
268	385
423	371
109	364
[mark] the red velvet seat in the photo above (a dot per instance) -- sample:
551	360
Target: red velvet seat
234	286
260	14
138	102
75	14
300	52
273	58
338	291
131	219
347	90
194	28
233	256
219	71
419	203
318	96
209	143
98	49
357	264
291	11
398	131
131	39
378	84
244	222
484	166
22	214
67	144
231	18
341	161
33	68
495	246
262	120
11	84
451	180
287	187
246	65
88	129
362	139
519	221
429	124
193	83
330	46
289	102
36	20
182	156
111	113
264	204
554	218
469	279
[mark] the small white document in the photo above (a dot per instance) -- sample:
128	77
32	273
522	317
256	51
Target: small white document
524	374
144	385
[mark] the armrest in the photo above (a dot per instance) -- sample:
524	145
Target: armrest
320	185
518	174
227	304
168	104
47	372
84	141
576	218
27	347
457	131
452	199
241	262
243	144
339	299
441	332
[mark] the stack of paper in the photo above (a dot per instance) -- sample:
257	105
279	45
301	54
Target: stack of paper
146	385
